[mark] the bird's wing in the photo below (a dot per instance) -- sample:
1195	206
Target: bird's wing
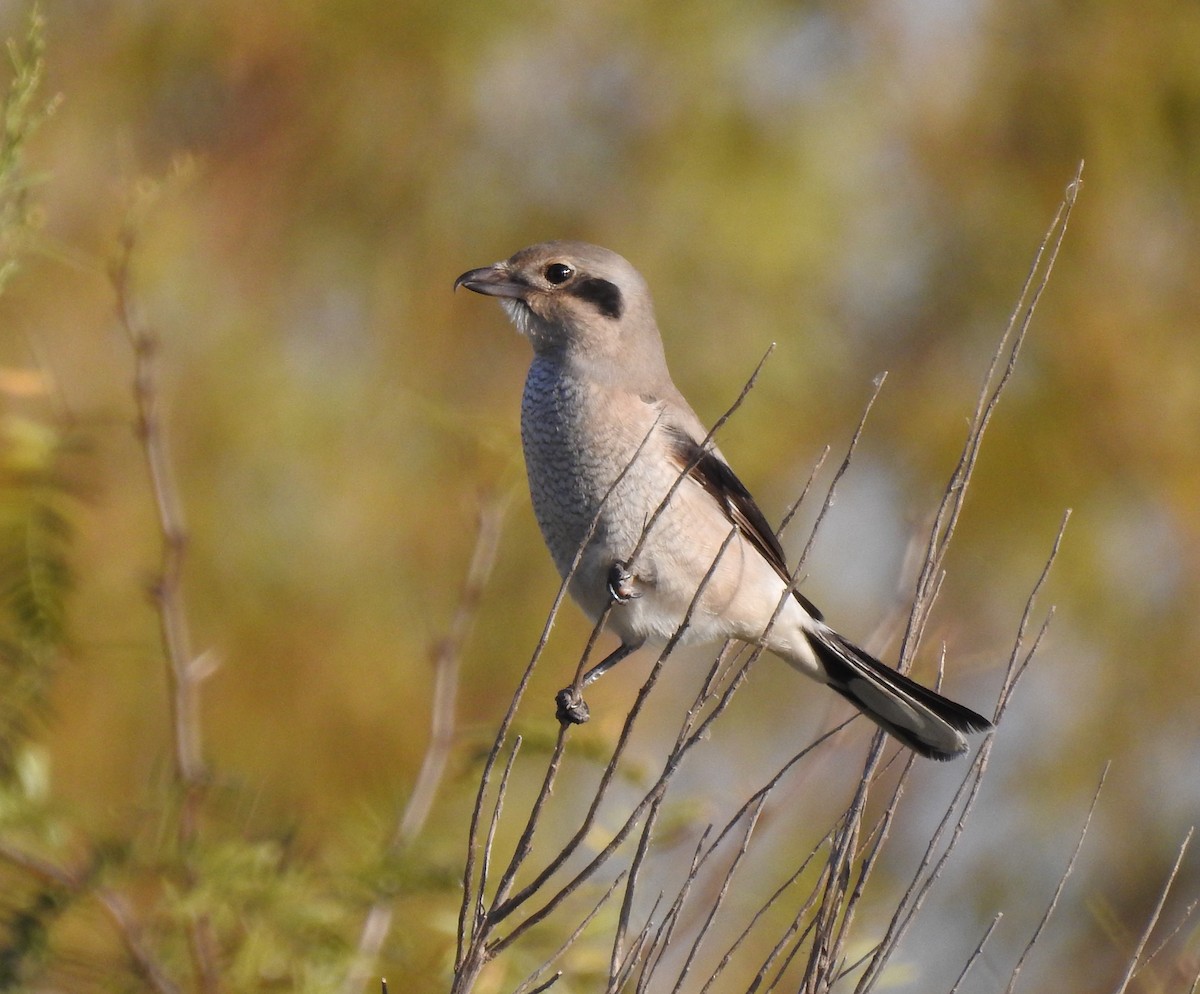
707	468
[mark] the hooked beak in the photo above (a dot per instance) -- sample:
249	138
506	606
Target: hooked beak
493	281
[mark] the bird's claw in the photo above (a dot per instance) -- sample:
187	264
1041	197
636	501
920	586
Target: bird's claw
572	709
621	583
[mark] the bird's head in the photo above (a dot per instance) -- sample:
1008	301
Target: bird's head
575	301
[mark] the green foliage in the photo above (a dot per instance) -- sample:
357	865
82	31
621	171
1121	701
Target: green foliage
24	927
279	923
22	109
35	528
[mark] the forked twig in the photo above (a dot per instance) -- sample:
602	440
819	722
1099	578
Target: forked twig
181	661
185	670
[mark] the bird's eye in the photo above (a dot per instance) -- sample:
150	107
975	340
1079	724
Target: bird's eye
558	273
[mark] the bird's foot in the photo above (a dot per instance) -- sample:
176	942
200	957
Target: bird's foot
572	709
621	583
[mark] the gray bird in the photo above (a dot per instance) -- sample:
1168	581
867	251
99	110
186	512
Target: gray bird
598	393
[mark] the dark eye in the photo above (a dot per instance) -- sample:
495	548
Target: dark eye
558	273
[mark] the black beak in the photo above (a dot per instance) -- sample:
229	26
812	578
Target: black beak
493	281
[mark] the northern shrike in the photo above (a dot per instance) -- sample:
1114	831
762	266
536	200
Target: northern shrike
598	399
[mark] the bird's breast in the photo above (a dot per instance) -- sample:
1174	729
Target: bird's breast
578	436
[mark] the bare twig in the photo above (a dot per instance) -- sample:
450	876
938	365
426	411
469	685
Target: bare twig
463	982
503	905
660	786
117	908
877	385
185	670
1135	961
445	667
932	861
976	953
572	937
1062	883
989	396
1166	939
471	956
378	921
181	670
493	826
1017	665
719	898
795	506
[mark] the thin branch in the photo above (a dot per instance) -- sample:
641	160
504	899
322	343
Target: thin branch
471	956
146	346
976	953
117	908
447	659
184	669
701	451
548	984
1134	960
1014	672
795	506
502	904
572	938
989	396
1062	883
378	921
493	826
877	384
1166	939
722	891
671	765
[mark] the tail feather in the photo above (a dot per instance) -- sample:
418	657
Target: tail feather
922	719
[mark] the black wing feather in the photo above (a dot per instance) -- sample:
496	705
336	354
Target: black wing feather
713	474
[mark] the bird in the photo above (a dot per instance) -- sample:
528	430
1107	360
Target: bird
607	438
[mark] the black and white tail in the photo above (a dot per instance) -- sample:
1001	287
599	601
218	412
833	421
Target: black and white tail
922	719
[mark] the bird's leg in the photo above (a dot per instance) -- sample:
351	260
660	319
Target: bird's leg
572	708
620	583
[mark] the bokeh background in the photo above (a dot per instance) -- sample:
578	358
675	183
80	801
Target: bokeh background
864	184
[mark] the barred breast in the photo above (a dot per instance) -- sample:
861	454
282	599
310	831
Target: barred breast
574	450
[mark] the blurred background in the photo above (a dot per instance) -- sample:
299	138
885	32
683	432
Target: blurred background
864	184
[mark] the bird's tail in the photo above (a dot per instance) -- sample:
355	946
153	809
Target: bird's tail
923	720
